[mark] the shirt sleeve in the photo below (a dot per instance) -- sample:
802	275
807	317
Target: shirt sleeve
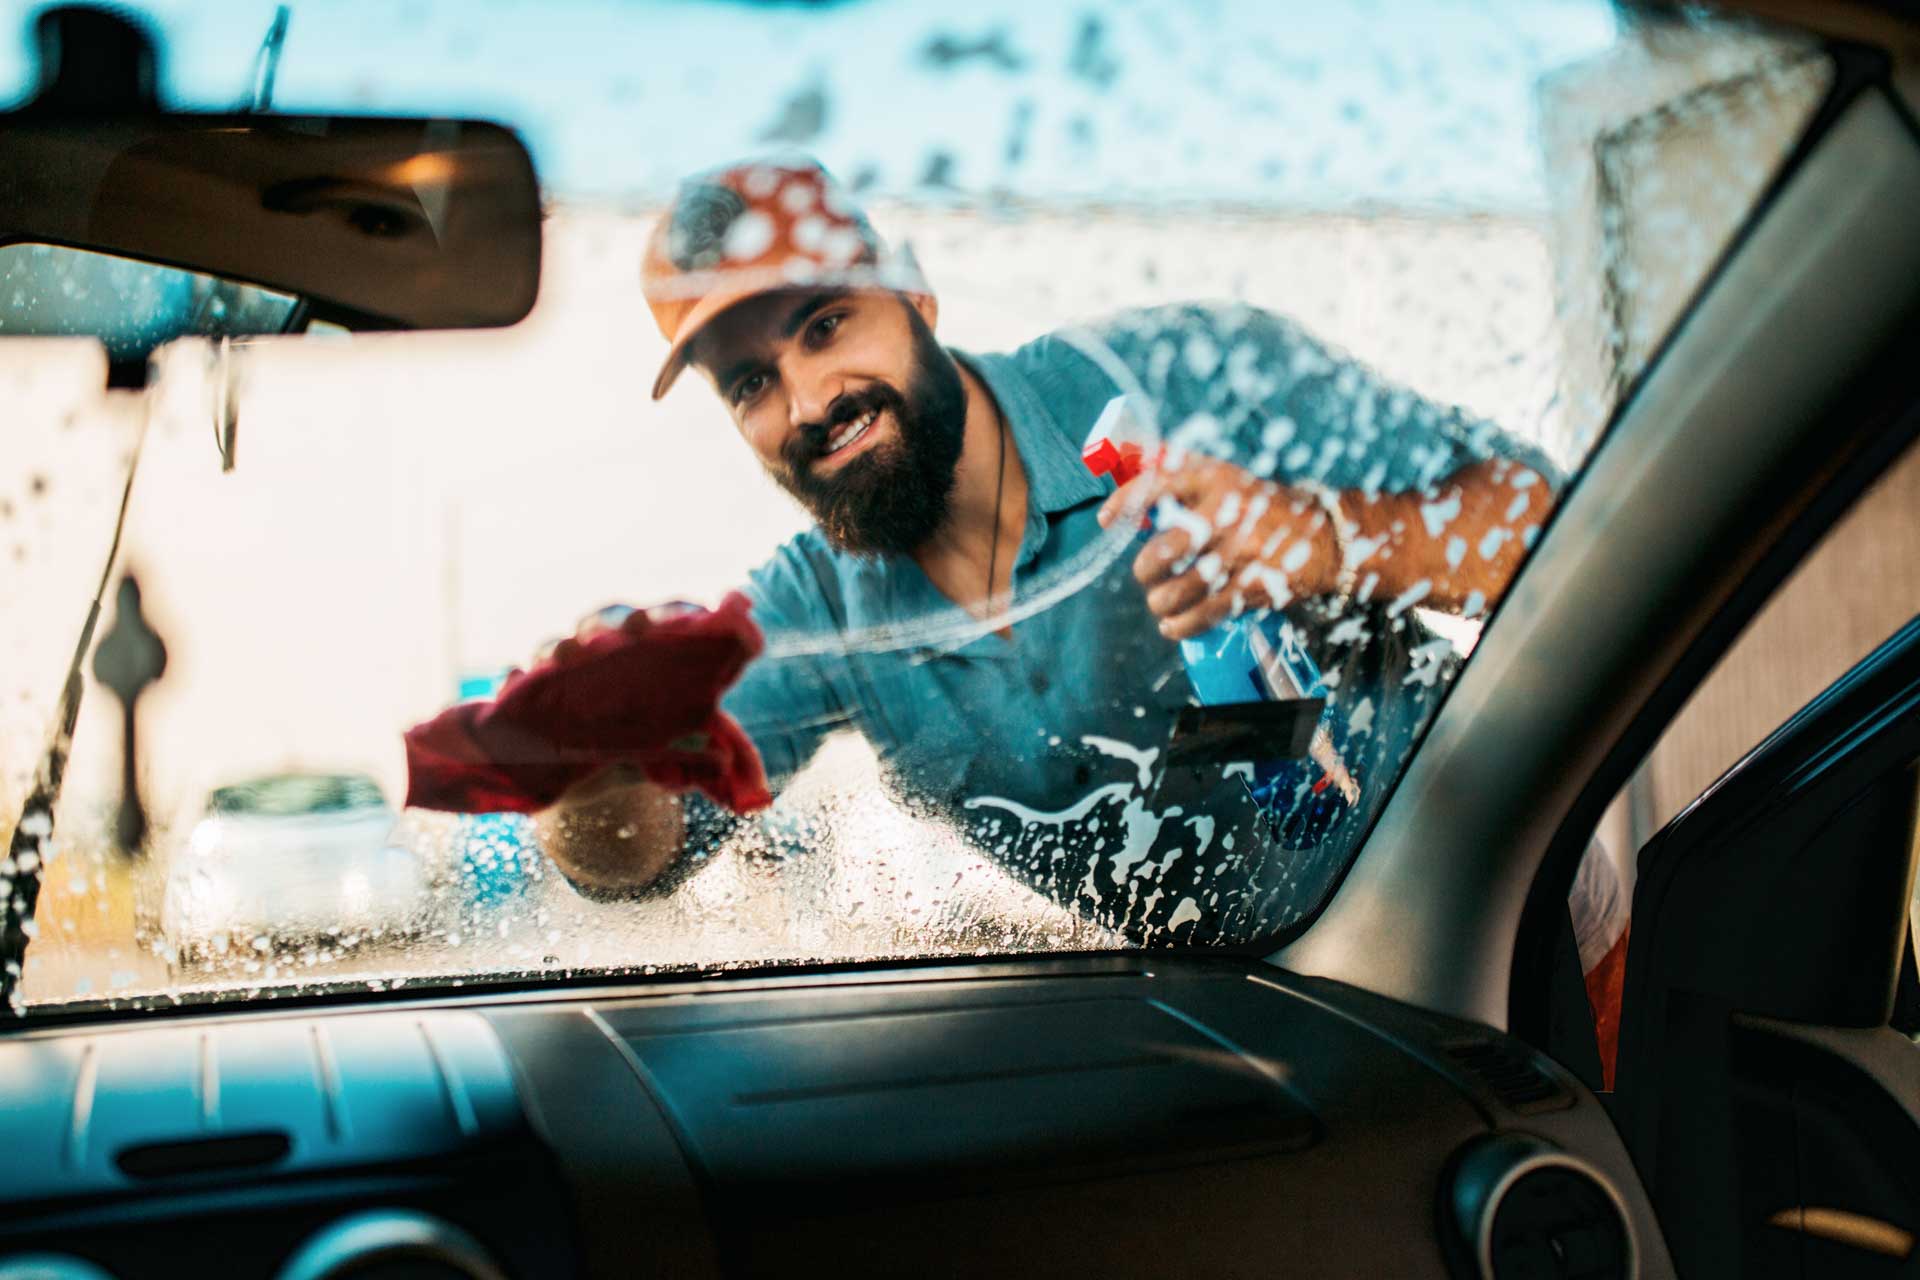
785	703
1258	389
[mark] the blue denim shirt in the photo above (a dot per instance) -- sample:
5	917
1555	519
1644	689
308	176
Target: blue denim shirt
1045	746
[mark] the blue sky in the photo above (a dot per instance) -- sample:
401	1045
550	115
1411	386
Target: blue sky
1424	103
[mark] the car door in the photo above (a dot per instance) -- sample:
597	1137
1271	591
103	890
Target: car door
1768	1084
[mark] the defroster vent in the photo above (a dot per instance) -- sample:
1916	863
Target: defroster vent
1512	1073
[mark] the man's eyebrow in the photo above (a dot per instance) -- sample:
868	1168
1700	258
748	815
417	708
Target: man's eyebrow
737	370
798	317
795	321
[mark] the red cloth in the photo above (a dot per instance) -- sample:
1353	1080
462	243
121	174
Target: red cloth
1606	985
644	693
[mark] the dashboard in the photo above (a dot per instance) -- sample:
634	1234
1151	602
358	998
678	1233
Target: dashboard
1142	1115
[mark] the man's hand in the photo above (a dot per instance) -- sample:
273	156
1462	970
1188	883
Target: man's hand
1228	542
599	621
614	831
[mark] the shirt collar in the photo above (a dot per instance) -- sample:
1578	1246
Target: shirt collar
1056	477
891	587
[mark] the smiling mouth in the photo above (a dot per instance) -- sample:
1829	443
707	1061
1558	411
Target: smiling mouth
848	434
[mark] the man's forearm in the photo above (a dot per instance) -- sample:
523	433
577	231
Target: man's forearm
616	832
1456	549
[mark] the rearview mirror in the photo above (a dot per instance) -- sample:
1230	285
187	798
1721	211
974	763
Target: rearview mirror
370	223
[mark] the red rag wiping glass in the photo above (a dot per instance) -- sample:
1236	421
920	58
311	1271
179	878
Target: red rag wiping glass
645	693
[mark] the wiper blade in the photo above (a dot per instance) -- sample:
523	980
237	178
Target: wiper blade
27	852
33	833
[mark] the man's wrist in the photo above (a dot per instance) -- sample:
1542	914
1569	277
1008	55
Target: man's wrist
1346	568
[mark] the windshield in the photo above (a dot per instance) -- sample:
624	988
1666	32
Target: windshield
47	290
1005	482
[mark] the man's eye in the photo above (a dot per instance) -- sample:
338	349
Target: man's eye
824	327
749	387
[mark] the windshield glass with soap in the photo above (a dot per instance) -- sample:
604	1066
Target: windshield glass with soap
1028	487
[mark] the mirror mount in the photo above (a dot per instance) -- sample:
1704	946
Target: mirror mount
267	64
94	62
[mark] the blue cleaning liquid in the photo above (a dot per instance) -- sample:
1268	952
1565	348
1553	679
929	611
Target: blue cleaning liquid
497	857
1257	657
1247	659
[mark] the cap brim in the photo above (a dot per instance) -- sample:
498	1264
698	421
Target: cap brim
697	319
904	276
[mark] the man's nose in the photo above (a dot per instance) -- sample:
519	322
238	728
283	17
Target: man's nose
812	393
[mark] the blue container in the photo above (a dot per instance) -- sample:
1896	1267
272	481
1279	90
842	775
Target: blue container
1259	657
1248	659
497	858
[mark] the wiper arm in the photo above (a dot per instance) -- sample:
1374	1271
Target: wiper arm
33	834
28	850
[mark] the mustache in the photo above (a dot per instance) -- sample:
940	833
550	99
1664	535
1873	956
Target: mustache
809	443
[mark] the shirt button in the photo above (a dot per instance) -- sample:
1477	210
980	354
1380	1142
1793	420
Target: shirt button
1038	682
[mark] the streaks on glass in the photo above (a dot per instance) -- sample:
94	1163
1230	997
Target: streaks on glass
1092	59
1402	102
1658	149
801	117
947	50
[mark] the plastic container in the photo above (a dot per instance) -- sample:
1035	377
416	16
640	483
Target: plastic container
1249	658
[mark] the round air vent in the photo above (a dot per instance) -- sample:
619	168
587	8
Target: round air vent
391	1244
1523	1207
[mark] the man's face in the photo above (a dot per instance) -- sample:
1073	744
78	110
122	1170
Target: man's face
849	403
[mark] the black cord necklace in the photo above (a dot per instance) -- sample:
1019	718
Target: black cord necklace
999	487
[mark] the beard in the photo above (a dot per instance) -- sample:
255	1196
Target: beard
892	497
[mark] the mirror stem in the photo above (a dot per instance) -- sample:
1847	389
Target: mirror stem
266	63
226	401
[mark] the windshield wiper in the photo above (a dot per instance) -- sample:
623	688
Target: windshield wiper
28	850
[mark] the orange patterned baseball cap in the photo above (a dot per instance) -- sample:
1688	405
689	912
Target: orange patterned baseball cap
748	229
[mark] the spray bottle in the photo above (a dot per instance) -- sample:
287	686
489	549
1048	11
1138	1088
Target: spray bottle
1244	659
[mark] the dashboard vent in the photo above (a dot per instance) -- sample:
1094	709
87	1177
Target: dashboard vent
1521	1206
1559	1222
1510	1071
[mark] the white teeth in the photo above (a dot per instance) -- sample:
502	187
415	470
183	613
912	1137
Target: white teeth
852	431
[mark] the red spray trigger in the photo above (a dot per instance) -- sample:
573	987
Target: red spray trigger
1123	462
1117	445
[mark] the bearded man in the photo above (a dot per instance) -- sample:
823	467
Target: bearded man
953	601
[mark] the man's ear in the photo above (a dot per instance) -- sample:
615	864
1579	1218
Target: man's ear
928	306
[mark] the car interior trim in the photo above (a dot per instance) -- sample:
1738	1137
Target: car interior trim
1843	1226
1823	284
755	1128
1884	1055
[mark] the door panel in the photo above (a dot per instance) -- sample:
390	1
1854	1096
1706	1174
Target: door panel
1770	925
